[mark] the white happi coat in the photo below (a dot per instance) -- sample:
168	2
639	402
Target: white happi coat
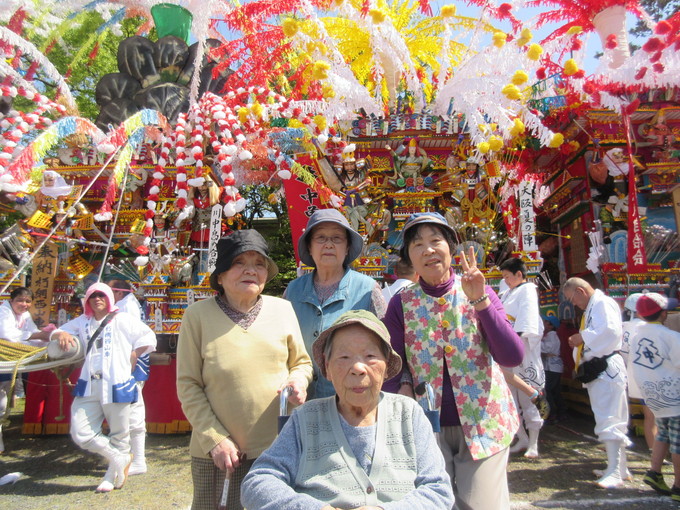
602	334
17	329
120	337
522	307
655	360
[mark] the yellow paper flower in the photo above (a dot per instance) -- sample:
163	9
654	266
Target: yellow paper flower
534	52
499	39
556	140
377	15
272	198
574	145
448	11
517	128
574	30
242	114
520	77
524	37
511	92
320	70
570	67
327	91
256	109
290	27
295	123
320	122
483	147
495	143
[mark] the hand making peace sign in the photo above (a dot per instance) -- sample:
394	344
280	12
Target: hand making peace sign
472	280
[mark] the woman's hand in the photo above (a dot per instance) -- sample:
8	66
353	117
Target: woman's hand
297	394
473	280
226	455
65	340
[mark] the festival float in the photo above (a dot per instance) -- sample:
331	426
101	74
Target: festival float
378	109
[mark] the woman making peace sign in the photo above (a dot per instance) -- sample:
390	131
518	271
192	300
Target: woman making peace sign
452	332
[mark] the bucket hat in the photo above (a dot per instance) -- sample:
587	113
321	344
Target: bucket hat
231	246
370	322
356	242
418	219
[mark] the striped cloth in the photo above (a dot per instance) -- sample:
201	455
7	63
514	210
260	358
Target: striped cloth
208	482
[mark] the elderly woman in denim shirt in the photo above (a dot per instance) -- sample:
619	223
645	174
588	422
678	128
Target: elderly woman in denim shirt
330	245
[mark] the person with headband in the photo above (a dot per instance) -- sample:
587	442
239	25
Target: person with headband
127	302
112	341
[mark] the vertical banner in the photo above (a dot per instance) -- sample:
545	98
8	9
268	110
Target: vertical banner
676	207
42	283
636	256
215	233
527	216
302	201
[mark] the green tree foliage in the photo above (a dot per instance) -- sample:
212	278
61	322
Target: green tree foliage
279	238
658	10
69	48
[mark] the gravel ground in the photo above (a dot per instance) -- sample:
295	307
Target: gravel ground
57	475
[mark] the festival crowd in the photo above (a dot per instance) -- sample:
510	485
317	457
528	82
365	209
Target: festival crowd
408	397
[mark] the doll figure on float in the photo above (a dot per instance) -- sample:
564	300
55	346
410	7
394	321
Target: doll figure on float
409	166
164	233
53	189
475	201
352	175
203	194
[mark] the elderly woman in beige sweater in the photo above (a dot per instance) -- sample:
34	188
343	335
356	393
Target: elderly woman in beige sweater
235	354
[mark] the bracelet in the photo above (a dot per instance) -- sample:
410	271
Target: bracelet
479	299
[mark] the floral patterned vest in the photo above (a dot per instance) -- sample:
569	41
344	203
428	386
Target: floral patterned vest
445	329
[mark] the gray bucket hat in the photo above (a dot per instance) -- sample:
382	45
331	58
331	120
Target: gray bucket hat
418	219
367	320
356	242
231	246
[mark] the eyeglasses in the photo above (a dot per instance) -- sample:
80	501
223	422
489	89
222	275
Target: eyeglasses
97	295
324	239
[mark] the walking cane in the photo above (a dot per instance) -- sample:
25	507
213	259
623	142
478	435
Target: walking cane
225	487
431	411
283	418
283	406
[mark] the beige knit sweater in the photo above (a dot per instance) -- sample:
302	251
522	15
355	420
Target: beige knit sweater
227	378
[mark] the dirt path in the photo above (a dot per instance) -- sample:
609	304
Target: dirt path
57	475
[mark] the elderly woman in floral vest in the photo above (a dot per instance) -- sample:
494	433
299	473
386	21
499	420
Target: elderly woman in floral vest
451	332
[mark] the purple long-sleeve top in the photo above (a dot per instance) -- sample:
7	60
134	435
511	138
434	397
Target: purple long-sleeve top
505	346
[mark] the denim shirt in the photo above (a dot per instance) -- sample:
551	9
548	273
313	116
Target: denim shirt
353	293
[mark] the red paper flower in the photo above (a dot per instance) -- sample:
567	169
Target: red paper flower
612	42
663	27
653	45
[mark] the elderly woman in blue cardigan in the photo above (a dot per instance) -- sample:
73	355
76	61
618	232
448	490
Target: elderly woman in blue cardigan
360	449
